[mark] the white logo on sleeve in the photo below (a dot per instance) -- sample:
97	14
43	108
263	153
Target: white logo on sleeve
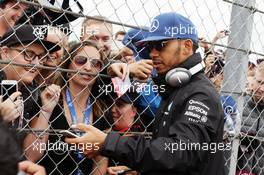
197	112
204	119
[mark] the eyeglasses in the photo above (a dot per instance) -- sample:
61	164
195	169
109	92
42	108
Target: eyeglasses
82	60
30	55
158	45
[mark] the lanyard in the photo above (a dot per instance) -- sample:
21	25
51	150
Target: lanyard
86	119
87	112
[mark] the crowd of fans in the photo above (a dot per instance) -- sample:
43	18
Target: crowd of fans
55	99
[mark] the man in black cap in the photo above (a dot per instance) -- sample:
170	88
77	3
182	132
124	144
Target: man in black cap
25	45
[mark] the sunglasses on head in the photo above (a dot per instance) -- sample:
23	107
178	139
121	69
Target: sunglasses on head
157	45
260	61
82	60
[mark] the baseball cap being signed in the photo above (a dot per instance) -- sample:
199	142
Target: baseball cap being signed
131	38
171	25
27	34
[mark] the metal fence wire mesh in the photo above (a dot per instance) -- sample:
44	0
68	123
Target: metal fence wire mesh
74	79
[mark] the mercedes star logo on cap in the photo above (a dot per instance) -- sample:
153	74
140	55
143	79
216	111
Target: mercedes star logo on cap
154	25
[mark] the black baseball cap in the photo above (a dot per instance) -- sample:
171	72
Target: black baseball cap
27	34
130	97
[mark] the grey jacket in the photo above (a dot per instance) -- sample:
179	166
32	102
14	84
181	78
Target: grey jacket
251	153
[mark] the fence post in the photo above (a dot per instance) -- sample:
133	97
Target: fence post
235	70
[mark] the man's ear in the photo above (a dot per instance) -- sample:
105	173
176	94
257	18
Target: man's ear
188	47
4	53
134	109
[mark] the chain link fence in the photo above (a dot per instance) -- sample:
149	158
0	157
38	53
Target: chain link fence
231	43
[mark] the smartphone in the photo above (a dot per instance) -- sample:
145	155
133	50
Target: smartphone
69	134
8	87
21	173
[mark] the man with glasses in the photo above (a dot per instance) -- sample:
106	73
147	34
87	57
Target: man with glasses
188	127
24	45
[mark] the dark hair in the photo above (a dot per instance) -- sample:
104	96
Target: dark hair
121	32
195	47
3	3
260	60
216	68
10	150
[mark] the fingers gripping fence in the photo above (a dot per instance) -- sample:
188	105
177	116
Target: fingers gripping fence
76	80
